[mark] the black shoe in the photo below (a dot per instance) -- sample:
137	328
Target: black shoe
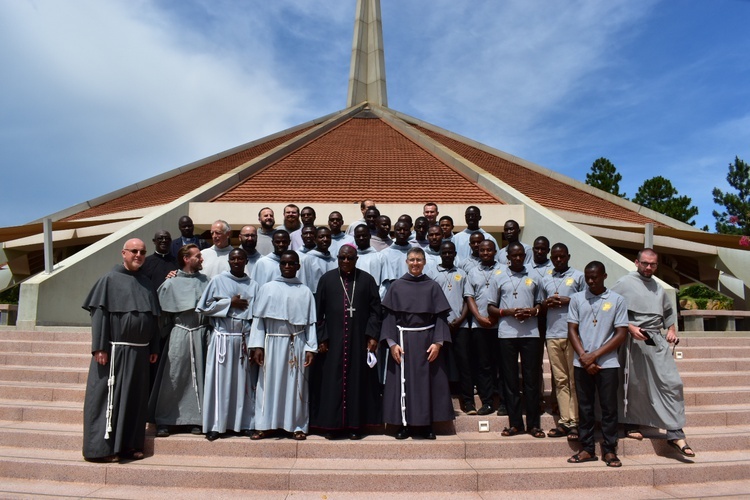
355	436
162	431
196	430
428	434
212	436
470	409
403	433
246	432
502	410
485	410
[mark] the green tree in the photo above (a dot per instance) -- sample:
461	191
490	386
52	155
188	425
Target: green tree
735	219
604	176
658	194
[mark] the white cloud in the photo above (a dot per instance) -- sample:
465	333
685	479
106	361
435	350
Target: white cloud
507	66
102	94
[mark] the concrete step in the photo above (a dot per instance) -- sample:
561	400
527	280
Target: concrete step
57	335
712	351
48	360
741	340
21	488
726	379
25	489
38	346
696	416
42	391
45	411
41	373
443	476
716	395
68	436
687	365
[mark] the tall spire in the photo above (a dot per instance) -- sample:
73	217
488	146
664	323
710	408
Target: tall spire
367	71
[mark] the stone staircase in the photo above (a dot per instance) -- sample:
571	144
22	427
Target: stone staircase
42	379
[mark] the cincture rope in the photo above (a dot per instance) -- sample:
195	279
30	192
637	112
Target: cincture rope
111	383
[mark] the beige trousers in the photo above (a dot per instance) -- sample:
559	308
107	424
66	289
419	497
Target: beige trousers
560	353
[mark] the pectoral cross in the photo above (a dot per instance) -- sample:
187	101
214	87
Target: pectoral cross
594	321
351	310
515	295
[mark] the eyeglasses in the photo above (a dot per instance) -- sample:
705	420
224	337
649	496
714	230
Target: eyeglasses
136	252
648	264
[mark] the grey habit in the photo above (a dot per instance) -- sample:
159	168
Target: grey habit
177	396
124	313
652	386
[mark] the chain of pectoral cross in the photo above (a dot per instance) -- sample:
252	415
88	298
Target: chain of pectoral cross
593	310
515	287
351	308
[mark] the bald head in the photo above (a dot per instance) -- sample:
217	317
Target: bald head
133	254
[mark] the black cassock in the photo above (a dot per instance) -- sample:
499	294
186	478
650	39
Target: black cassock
344	390
124	310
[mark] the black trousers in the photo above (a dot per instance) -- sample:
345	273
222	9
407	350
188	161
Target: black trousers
463	353
485	342
587	386
528	350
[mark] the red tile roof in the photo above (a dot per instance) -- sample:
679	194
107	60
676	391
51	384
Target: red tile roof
363	157
170	189
548	192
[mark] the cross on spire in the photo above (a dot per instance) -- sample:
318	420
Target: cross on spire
367	70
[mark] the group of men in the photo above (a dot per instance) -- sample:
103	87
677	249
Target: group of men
309	326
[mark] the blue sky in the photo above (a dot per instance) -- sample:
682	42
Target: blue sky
99	94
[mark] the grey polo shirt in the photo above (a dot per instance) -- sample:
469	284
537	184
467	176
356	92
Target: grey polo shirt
539	271
597	316
453	282
480	285
565	285
515	290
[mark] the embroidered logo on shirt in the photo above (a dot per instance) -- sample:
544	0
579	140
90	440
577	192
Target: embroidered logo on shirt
499	271
529	282
549	271
606	306
457	277
569	282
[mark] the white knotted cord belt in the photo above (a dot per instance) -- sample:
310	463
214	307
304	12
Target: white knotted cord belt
111	383
401	330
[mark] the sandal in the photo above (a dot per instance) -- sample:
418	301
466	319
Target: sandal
683	450
537	432
299	436
573	434
611	460
510	431
258	435
134	455
558	431
578	459
634	434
